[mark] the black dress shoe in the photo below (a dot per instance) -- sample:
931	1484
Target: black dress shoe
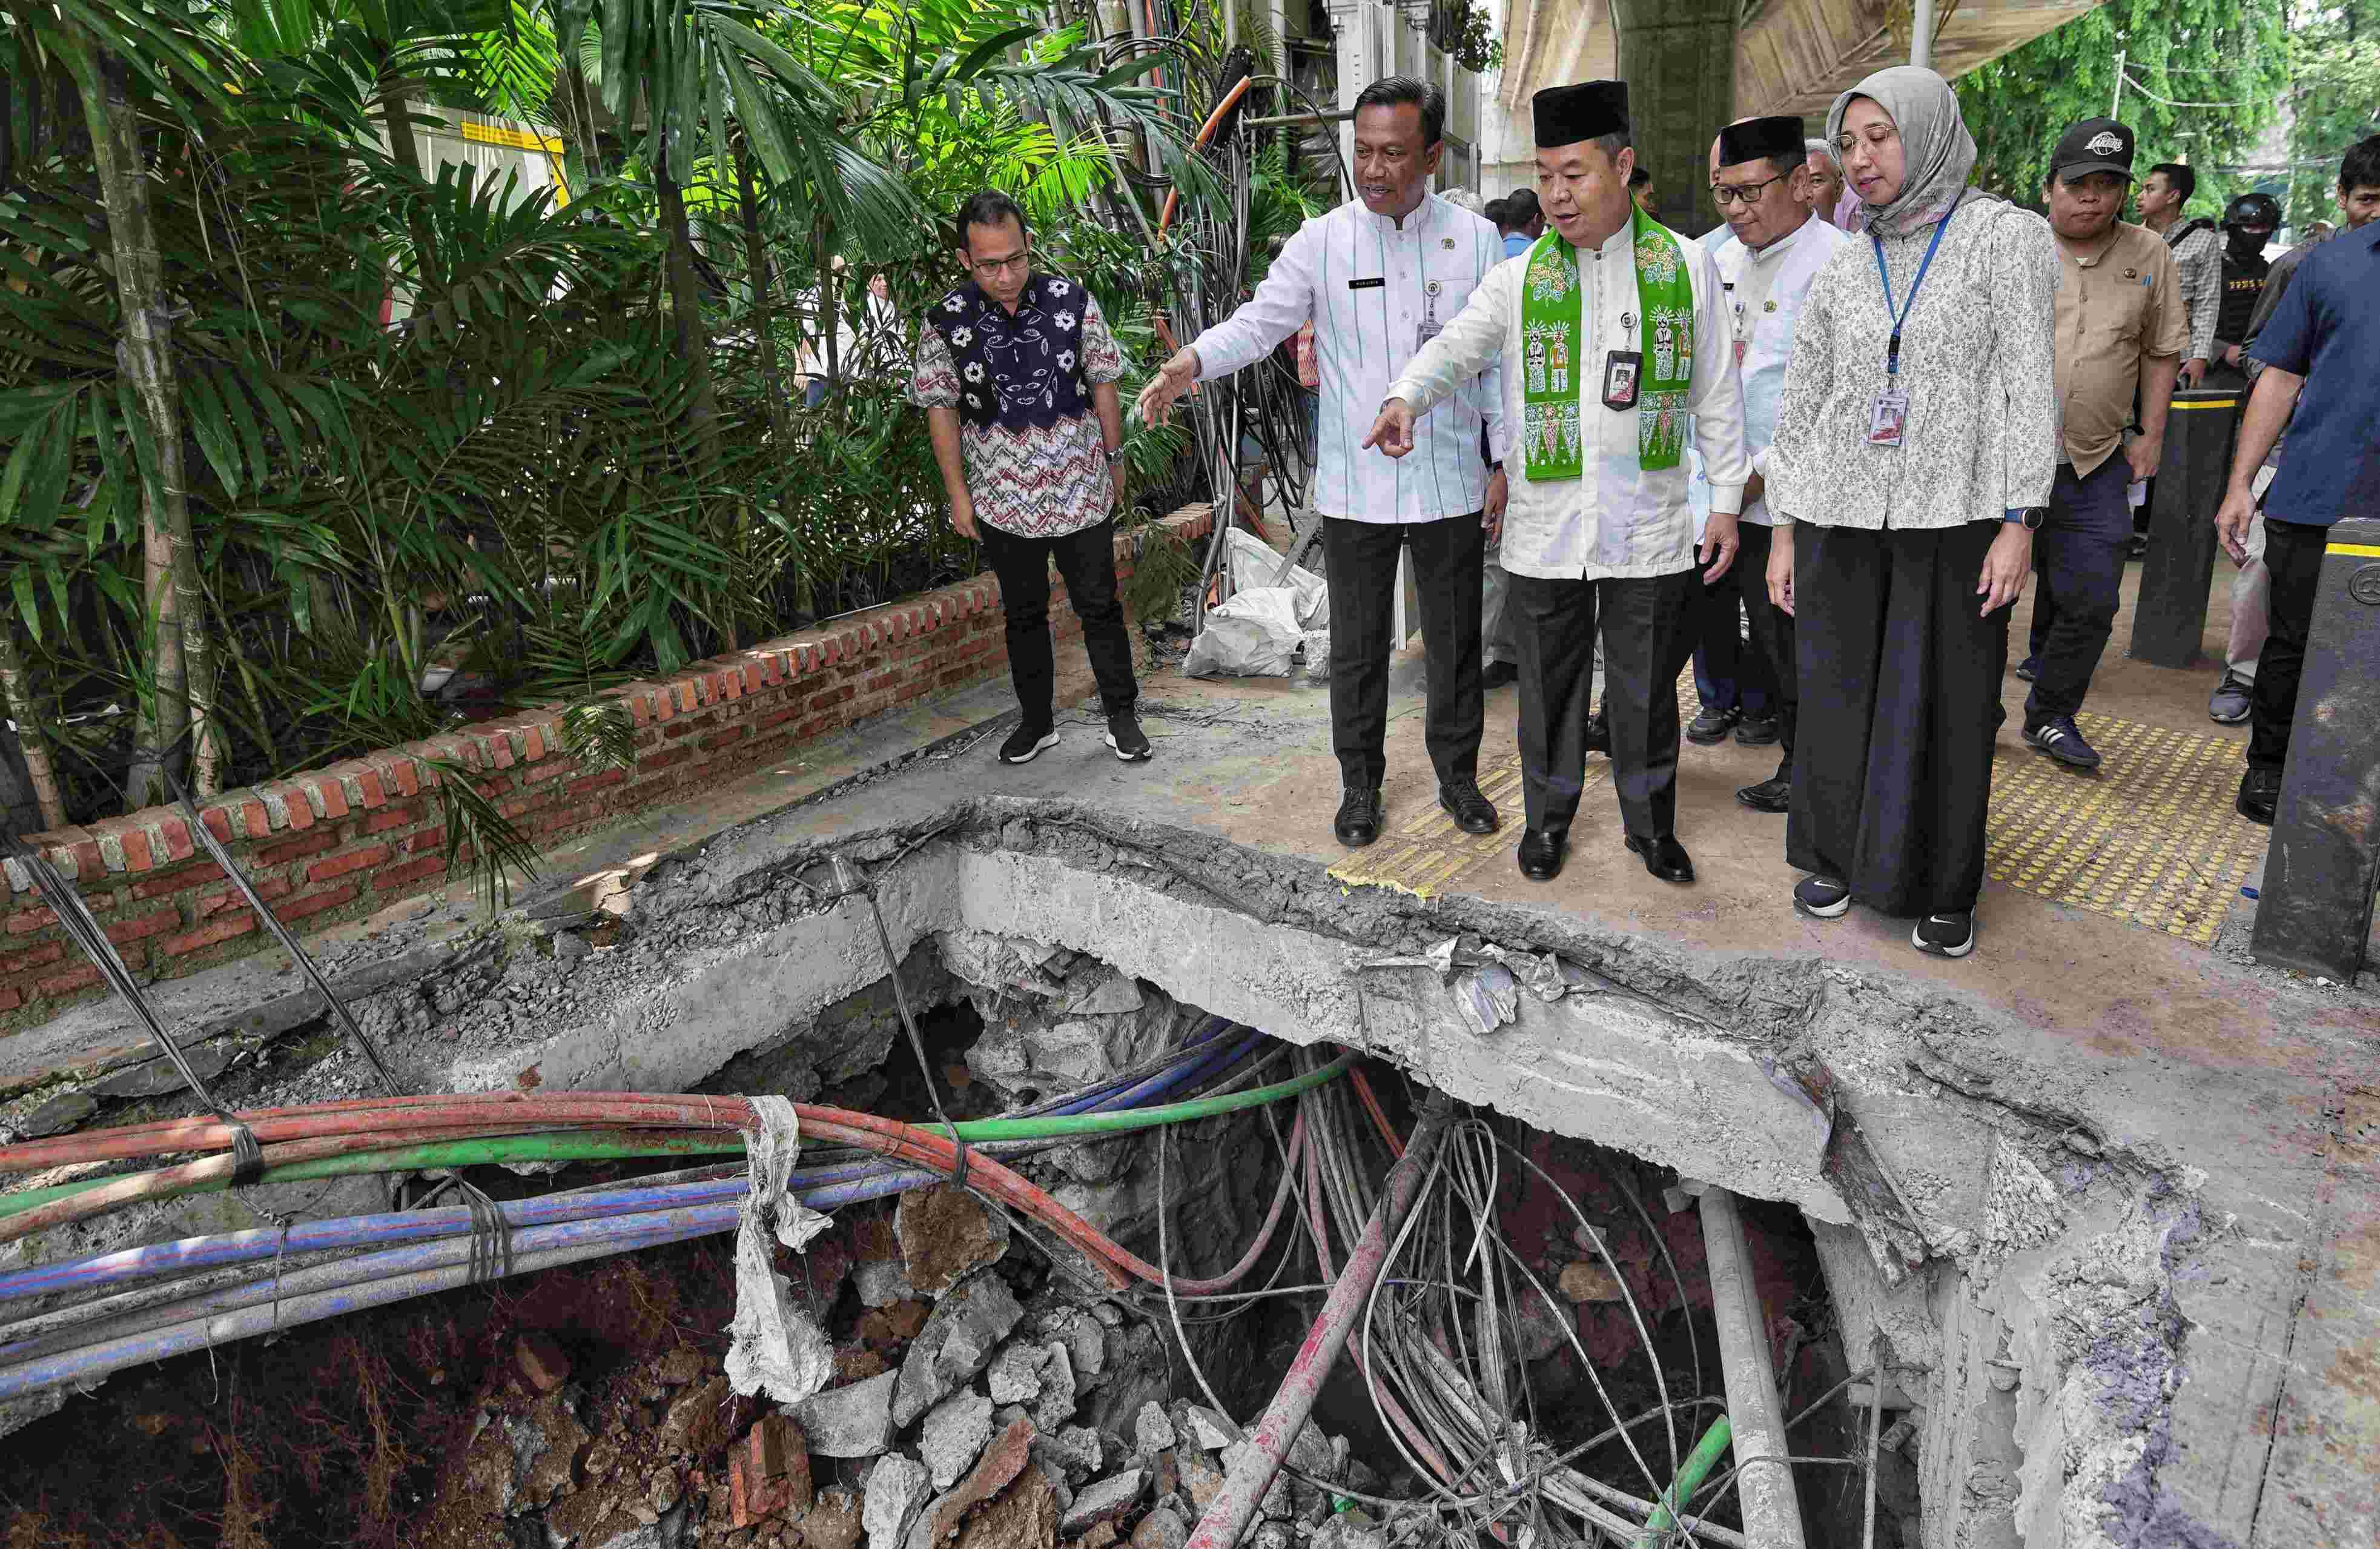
1358	822
2260	793
1494	675
1472	811
1712	726
1770	796
1598	733
1665	857
1540	855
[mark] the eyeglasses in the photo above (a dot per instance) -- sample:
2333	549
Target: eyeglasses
1730	193
990	266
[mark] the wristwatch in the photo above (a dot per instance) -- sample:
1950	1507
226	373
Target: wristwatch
2029	517
1115	455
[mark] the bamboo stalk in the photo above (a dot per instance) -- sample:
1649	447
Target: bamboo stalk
17	703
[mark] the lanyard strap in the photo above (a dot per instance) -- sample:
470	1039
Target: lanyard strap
1892	351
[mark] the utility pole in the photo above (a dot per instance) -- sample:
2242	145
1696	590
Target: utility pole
2116	105
1921	33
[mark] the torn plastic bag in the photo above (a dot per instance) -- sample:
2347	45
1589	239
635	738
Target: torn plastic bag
1254	635
1256	566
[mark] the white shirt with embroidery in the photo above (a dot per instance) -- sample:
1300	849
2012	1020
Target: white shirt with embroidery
1767	289
1619	519
1369	285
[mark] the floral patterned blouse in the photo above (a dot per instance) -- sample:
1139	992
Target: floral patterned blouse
1031	471
1981	436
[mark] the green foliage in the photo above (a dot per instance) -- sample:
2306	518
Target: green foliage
1467	33
2233	53
2334	101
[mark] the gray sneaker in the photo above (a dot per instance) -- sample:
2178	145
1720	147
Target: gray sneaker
2232	699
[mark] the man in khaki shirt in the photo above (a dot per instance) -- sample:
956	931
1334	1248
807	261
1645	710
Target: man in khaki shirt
2121	329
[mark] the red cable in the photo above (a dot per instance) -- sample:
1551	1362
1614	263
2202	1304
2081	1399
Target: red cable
1206	131
1379	1116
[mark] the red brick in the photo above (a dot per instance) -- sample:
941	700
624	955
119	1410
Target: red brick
9	999
655	761
144	925
726	738
375	794
395	817
429	838
683	693
682	728
70	981
776	716
76	852
301	811
596	781
533	743
222	898
399	773
827	698
176	882
315	903
179	842
137	854
218	820
31	956
340	865
664	702
222	930
297	849
409	874
259	821
498	747
334	794
25	921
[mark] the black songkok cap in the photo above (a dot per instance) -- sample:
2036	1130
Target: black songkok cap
1566	115
1757	138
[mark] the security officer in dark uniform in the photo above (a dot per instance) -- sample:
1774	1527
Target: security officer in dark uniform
2248	221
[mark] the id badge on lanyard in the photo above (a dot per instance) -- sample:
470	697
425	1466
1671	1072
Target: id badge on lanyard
1431	327
1888	418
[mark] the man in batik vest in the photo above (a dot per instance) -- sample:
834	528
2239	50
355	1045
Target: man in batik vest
1622	333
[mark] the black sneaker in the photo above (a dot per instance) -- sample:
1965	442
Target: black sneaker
2232	699
1759	731
1125	737
2029	669
1821	898
1026	743
2057	737
1945	936
1712	726
2260	795
1598	733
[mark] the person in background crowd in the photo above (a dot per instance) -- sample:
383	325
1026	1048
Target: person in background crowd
1615	332
2121	329
1914	453
1735	687
1775	249
2248	221
2359	205
1464	199
1640	189
1379	276
2197	257
2317	349
1016	372
1523	222
1825	181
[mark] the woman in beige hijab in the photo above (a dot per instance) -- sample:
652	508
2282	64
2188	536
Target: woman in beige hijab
1913	455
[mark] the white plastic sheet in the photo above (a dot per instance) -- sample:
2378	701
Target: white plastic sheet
1275	610
776	1348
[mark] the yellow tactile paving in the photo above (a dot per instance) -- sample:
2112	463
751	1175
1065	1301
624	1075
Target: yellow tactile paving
2152	837
1425	852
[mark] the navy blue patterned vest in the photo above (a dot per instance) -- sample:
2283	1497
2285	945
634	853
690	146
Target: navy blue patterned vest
1022	370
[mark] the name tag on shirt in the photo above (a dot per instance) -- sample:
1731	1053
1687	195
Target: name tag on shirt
1373	283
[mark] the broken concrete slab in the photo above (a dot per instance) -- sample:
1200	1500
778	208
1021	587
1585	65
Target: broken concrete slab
1152	1433
1103	1502
1014	1376
957	1342
953	1435
855	1421
897	1489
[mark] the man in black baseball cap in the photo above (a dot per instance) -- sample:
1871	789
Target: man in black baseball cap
2120	330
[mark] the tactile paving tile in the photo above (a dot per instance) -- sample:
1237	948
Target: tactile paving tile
2150	838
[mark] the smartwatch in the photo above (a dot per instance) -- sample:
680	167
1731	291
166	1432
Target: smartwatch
2028	517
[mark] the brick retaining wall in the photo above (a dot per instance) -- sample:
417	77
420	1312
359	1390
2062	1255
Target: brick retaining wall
336	843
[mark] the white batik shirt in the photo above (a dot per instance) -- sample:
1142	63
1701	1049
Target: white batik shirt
1618	520
1369	287
1766	292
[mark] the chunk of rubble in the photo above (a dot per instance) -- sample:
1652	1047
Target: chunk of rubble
1000	1467
1072	1454
953	1436
1151	1431
1161	1528
1059	1389
1206	1428
1015	1374
946	1234
1348	1529
1102	1502
897	1489
957	1342
853	1421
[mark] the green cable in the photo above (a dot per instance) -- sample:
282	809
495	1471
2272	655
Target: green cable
582	1146
1691	1474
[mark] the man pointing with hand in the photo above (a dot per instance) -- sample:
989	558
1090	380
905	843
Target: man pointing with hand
1612	330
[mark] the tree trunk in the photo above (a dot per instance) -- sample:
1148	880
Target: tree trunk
756	264
685	316
179	653
406	153
33	801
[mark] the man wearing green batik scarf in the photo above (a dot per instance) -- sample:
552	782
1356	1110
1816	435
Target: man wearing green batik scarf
1616	331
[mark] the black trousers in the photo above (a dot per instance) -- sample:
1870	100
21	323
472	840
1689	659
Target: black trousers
1646	626
1086	561
1360	562
1772	629
2294	554
2079	554
1892	786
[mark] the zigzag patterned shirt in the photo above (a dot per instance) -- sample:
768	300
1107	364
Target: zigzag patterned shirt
1040	480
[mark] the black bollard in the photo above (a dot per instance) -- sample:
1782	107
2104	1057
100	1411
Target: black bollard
2315	914
2170	616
